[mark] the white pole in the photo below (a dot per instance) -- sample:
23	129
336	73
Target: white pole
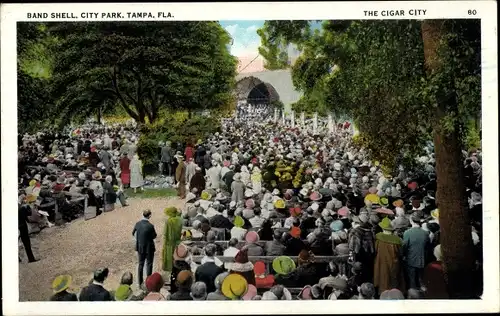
275	115
293	119
330	123
303	119
315	123
283	117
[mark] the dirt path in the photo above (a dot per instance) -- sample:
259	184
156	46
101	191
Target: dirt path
82	246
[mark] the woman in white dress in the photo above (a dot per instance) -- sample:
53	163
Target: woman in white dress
136	178
245	175
256	179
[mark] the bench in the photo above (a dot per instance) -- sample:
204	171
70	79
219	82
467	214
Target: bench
269	259
224	243
293	290
88	211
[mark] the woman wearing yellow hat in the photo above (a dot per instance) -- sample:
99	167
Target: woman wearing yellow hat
279	204
234	286
60	286
388	271
283	265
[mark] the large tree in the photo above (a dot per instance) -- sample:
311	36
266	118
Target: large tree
33	71
403	83
143	67
453	65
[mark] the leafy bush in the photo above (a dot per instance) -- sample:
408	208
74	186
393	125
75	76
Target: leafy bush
472	137
177	127
278	104
116	119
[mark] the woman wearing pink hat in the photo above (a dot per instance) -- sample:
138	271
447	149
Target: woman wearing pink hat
251	293
251	239
181	262
343	214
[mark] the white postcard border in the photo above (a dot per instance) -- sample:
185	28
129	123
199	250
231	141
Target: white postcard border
485	10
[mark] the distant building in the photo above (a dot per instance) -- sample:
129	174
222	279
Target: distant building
250	64
255	84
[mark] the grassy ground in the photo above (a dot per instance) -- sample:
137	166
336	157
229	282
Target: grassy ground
151	193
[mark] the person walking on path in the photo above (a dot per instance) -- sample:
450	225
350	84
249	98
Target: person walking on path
125	171
172	236
190	170
145	235
167	159
180	177
136	177
106	158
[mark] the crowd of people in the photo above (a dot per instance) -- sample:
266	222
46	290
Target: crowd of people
58	173
260	190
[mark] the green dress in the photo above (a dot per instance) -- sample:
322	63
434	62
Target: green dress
171	239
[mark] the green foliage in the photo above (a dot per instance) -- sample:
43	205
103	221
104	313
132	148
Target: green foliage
277	104
373	72
32	103
151	194
472	138
457	84
175	127
275	36
117	69
33	72
143	67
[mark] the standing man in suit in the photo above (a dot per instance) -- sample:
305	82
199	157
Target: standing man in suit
24	211
167	159
145	235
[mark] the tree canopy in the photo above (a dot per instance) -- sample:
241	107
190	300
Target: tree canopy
373	72
141	66
274	45
33	73
137	68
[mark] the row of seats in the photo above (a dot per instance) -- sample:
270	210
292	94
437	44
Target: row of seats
269	259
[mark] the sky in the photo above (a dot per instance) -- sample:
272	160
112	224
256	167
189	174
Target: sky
246	44
244	33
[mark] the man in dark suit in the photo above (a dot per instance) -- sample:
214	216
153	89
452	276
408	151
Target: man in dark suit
24	212
95	291
145	235
208	271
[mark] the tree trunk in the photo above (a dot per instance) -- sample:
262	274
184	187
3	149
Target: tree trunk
154	116
456	239
142	117
99	115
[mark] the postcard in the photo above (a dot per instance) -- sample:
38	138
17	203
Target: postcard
231	153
